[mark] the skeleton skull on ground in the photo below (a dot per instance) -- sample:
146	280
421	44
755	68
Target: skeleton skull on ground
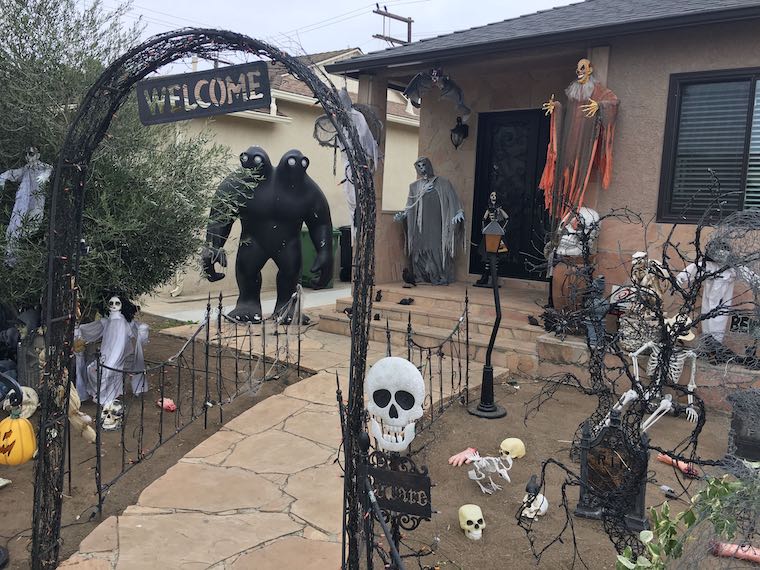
395	392
471	521
111	415
114	305
512	448
535	508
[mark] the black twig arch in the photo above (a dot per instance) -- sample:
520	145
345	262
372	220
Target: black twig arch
92	121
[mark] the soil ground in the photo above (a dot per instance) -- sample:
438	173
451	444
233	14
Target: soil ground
504	544
80	504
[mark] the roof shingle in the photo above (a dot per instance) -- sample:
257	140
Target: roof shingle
602	16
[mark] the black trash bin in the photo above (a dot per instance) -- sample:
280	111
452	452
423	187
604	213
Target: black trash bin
346	253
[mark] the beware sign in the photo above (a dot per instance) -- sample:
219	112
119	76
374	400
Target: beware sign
204	93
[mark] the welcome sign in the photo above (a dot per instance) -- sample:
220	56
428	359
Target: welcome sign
204	93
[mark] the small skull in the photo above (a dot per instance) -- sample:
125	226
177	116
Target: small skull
512	448
535	508
111	416
471	521
114	305
32	155
395	392
584	70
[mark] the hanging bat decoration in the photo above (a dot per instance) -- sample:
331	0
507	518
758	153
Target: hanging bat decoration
450	91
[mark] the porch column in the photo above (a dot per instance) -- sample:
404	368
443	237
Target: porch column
389	238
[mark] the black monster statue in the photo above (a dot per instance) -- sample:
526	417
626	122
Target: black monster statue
273	204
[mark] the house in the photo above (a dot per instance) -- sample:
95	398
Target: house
686	73
287	124
668	62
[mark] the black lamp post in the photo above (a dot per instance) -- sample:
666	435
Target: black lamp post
487	408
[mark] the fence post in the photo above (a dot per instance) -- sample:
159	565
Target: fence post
467	347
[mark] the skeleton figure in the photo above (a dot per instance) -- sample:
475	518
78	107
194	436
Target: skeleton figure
30	199
486	468
671	375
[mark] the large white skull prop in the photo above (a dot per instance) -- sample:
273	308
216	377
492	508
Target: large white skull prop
114	305
512	448
576	228
535	508
395	392
471	521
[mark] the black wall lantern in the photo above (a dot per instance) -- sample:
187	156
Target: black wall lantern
459	133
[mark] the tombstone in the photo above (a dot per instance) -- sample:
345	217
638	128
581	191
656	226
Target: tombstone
744	435
607	462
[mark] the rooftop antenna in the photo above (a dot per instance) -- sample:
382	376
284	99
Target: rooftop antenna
387	15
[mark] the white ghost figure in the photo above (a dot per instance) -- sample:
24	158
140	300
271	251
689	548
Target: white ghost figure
121	349
471	521
574	229
30	199
395	392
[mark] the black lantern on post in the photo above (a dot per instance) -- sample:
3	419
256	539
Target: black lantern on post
486	407
459	133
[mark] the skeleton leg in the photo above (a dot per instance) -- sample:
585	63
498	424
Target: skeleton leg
665	406
477	475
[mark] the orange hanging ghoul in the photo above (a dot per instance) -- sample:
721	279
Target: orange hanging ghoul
580	139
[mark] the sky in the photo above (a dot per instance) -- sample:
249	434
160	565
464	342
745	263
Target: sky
311	26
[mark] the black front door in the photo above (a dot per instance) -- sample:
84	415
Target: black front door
510	159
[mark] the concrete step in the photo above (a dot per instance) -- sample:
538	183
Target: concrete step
516	304
511	353
515	328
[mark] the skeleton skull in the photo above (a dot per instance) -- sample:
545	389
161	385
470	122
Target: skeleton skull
471	521
114	305
111	415
584	70
512	448
395	392
535	508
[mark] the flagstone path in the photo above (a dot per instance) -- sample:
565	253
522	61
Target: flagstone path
264	492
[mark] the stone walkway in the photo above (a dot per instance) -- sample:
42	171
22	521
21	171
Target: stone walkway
264	492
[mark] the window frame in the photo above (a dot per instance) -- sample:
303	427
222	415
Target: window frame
670	139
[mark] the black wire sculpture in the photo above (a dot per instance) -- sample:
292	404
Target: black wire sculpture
733	248
95	113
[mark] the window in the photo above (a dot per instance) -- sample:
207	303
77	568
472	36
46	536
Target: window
713	122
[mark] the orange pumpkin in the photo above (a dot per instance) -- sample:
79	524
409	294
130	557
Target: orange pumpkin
17	441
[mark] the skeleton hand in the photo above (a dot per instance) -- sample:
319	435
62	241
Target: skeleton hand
691	414
591	109
399	216
548	107
458	217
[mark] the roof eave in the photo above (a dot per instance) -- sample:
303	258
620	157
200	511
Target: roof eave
369	65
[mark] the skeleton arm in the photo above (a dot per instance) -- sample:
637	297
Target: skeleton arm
13	175
691	412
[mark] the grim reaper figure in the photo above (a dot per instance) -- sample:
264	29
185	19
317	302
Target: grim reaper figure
434	217
580	139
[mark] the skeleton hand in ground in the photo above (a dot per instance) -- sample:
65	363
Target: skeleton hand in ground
466	456
665	406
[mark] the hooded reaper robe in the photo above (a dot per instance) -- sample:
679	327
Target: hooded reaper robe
576	144
431	236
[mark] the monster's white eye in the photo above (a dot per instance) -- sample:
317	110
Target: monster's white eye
291	161
257	159
305	163
243	157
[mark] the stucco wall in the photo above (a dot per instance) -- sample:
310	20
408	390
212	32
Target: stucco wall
639	73
239	133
